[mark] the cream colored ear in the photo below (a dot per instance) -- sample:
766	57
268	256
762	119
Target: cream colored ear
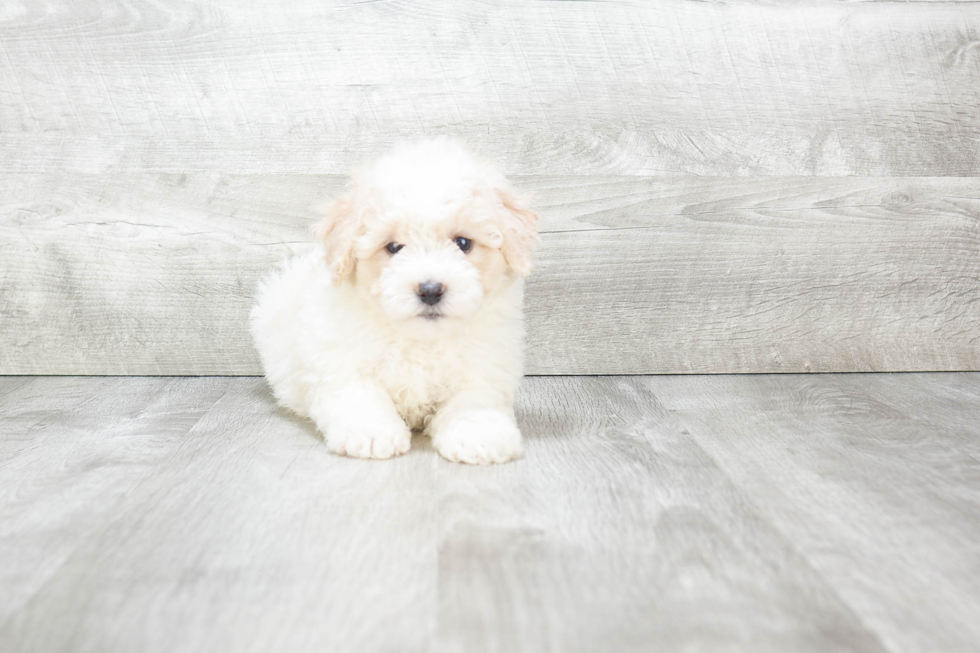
520	232
336	232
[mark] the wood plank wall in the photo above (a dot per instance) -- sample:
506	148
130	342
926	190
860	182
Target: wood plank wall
725	186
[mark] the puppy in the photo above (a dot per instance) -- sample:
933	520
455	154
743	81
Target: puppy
407	314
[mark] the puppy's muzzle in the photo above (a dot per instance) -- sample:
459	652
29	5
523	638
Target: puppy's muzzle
430	292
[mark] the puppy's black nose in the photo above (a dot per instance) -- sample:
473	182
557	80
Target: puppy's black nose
430	292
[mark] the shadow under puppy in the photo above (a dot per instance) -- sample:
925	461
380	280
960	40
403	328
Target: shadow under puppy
407	314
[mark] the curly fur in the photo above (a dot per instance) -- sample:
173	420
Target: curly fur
345	339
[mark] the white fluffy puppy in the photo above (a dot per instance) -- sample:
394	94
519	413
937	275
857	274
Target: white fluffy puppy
408	312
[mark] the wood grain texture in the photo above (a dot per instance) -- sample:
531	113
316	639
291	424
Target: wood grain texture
620	534
281	534
634	88
148	273
840	464
73	452
798	513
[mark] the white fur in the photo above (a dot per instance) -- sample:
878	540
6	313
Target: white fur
341	331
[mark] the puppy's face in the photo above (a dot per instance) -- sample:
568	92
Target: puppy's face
427	234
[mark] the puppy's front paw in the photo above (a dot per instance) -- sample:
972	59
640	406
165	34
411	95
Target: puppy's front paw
369	439
479	437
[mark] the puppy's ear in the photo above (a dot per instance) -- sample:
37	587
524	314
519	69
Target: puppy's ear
336	232
520	227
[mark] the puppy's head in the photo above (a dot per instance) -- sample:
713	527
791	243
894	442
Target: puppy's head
428	232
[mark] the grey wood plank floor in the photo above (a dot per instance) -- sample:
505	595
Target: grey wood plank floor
663	513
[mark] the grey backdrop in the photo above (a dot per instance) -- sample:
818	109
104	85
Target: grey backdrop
725	186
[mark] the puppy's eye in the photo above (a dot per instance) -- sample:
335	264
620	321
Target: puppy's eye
464	244
393	248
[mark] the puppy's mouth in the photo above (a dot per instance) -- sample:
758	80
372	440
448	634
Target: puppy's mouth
431	316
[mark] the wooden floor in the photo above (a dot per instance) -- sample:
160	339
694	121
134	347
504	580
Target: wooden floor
691	513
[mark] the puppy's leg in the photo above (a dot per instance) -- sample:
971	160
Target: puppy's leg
360	420
476	427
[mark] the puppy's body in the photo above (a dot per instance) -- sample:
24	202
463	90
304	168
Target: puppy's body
347	338
313	334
